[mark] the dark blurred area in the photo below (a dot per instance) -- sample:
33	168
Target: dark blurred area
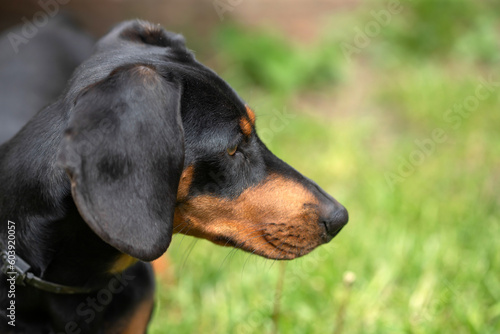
300	19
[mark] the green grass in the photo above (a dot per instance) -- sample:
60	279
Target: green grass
284	68
425	248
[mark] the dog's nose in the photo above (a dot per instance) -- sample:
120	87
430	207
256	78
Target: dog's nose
335	222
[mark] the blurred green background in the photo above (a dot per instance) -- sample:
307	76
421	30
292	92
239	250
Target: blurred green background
395	111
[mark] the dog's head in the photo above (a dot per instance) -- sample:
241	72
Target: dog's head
159	144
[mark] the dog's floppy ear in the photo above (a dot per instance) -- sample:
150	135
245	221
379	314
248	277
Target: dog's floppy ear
124	153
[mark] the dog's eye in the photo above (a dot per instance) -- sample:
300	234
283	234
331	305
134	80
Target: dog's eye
232	150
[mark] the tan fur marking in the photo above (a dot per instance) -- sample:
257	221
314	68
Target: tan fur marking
251	115
140	318
185	183
123	262
276	219
245	126
247	123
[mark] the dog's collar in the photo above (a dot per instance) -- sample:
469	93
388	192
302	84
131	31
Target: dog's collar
19	271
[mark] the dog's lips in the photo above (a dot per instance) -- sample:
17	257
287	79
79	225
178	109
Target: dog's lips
225	241
273	252
263	246
285	247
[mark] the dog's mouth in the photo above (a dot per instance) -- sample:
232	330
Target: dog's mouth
225	241
271	243
263	247
286	249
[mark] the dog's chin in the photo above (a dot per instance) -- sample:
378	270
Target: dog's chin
265	247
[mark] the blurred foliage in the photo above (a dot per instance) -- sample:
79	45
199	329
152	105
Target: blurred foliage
273	63
444	29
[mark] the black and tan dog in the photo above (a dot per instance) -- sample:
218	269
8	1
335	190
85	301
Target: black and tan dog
145	142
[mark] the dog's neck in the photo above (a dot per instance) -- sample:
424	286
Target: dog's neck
36	196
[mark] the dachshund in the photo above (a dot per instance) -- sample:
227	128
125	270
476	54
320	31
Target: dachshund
143	143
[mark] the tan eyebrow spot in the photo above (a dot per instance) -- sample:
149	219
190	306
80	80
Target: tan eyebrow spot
251	115
246	124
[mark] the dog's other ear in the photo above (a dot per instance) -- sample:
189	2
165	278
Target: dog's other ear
124	153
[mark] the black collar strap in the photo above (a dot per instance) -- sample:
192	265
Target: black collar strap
20	271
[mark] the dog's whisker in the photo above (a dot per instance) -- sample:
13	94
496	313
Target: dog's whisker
238	246
190	249
184	235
